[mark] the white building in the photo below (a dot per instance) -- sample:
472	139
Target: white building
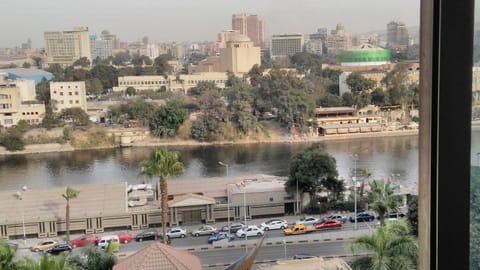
100	48
65	47
68	95
286	45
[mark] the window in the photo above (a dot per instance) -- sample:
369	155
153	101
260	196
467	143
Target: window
76	93
61	93
76	102
69	93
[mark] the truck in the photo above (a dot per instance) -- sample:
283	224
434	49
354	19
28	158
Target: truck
299	229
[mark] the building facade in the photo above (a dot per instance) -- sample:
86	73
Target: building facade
286	45
100	48
338	40
251	26
397	35
66	95
225	36
65	47
12	109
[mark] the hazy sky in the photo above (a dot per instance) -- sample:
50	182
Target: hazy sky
194	20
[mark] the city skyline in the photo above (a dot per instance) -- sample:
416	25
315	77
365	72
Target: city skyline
189	20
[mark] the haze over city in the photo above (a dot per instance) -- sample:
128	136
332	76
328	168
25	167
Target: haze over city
190	20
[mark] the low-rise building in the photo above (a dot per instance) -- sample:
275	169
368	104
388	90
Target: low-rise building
68	95
14	108
345	120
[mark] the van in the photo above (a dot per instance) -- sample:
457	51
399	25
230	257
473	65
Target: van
105	240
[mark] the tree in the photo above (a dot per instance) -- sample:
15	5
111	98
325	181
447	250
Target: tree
392	247
161	65
164	164
76	115
330	100
358	83
474	217
255	74
82	61
95	259
130	91
382	199
70	193
239	99
47	262
412	214
26	65
7	255
347	99
200	88
95	87
309	168
166	120
378	97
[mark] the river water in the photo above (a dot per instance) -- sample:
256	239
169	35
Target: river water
384	157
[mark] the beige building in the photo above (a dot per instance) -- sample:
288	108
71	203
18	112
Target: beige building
225	36
68	95
182	82
65	47
14	109
239	56
283	45
338	40
251	26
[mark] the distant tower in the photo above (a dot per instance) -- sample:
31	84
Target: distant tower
145	40
397	34
251	26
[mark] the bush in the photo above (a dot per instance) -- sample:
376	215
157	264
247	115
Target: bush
13	142
325	207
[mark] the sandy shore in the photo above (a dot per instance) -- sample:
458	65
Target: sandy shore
54	147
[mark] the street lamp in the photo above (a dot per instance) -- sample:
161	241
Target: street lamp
355	156
228	199
19	196
245	216
296	200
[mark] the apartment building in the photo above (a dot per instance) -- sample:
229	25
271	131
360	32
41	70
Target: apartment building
286	45
68	95
251	26
13	109
101	48
338	40
65	47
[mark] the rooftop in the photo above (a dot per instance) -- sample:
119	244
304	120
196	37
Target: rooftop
25	72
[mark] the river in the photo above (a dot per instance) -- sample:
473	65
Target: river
384	157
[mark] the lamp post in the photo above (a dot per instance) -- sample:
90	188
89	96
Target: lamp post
19	196
245	217
296	201
355	188
228	199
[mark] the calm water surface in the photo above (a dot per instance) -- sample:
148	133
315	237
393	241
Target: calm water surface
382	156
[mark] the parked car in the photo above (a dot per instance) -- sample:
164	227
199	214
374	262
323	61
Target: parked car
105	240
205	230
84	240
328	224
125	237
234	227
150	234
59	248
308	221
274	224
251	230
338	217
219	236
41	246
303	256
176	232
363	216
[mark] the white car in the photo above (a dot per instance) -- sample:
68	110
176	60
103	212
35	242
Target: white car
176	232
274	224
252	230
308	221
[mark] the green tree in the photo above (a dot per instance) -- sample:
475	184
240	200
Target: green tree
307	62
76	115
95	259
57	71
255	74
48	262
166	120
412	214
310	167
239	99
382	199
161	65
95	87
392	247
70	193
164	164
7	256
82	61
108	75
330	100
130	91
295	108
358	83
200	88
26	65
378	97
474	217
347	99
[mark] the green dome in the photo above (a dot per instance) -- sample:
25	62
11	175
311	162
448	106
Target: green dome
359	56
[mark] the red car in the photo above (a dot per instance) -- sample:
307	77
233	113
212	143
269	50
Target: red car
328	224
125	237
84	240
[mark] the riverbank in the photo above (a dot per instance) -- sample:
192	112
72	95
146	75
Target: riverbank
151	142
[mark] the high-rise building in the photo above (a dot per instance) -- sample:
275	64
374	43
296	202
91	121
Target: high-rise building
397	34
100	48
113	38
338	40
286	45
321	35
225	36
251	26
65	47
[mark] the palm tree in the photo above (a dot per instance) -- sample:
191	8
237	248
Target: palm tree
391	247
164	164
70	193
47	262
382	199
366	175
7	255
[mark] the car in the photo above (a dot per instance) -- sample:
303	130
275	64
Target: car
308	221
388	220
328	224
234	227
84	240
205	230
44	245
124	237
302	256
338	217
363	216
219	236
274	224
150	234
176	232
251	230
107	239
59	248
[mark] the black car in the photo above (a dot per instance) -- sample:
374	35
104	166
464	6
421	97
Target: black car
234	227
59	248
364	216
150	234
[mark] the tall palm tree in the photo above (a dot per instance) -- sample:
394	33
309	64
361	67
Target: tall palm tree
47	262
164	164
7	255
390	247
70	193
366	175
382	199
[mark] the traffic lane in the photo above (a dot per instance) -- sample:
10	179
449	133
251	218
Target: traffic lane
337	248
